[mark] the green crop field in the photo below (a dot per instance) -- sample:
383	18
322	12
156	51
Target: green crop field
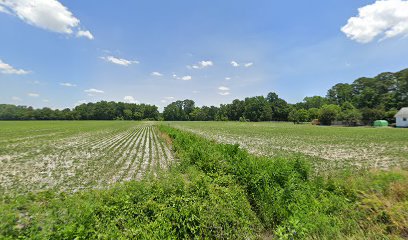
326	147
69	156
201	180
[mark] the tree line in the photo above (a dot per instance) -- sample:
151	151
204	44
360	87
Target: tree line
102	110
255	109
363	101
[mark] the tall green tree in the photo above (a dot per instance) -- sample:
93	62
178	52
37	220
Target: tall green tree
328	113
257	109
314	102
340	93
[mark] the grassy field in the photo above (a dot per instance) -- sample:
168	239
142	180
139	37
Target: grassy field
327	147
69	156
116	180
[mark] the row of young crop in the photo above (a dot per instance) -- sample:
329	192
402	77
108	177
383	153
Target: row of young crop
84	160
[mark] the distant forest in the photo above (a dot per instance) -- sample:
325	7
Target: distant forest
365	100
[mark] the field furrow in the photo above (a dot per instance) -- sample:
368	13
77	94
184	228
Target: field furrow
145	154
135	166
125	158
129	166
71	159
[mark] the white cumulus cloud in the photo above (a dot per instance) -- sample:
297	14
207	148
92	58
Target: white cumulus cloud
130	99
202	64
46	14
86	34
68	84
119	61
33	94
224	93
384	18
8	69
234	64
156	74
93	90
186	78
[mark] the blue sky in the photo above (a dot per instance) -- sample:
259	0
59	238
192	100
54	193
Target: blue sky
61	53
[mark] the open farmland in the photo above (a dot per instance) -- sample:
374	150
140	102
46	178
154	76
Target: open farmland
215	191
327	147
69	156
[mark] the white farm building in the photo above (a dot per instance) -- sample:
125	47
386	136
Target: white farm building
402	117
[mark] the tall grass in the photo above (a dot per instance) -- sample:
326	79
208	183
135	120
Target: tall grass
290	203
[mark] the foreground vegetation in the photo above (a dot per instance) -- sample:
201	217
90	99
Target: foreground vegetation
220	191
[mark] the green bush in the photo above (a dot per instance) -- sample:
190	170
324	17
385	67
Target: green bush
177	206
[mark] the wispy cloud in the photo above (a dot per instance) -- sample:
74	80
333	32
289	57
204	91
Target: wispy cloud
33	94
86	34
68	84
93	90
184	78
16	99
223	88
248	64
8	69
119	61
156	74
35	82
386	18
46	14
236	64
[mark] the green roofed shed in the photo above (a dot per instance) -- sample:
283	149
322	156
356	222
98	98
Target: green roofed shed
380	123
